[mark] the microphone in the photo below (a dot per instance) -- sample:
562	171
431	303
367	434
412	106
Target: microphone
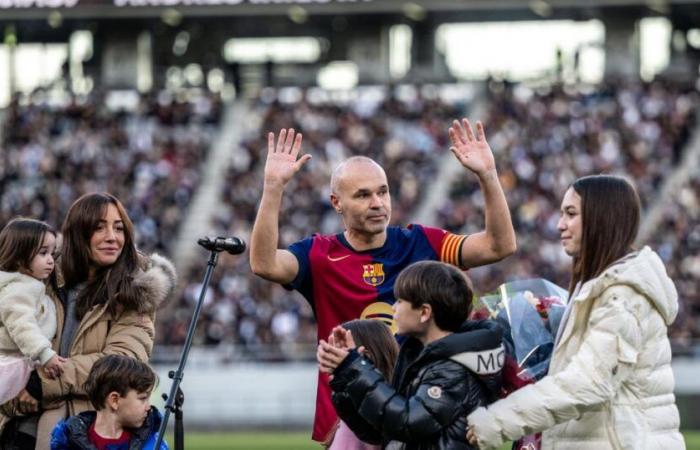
232	245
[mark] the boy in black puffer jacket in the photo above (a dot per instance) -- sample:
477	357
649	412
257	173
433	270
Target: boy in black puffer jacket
446	368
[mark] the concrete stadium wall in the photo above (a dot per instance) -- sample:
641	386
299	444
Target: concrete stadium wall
244	396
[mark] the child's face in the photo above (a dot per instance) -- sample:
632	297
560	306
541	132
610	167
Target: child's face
41	265
133	408
407	318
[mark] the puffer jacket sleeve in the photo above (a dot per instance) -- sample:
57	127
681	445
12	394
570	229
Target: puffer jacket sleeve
434	405
606	357
18	316
131	335
347	411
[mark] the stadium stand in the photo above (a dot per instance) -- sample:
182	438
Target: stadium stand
148	157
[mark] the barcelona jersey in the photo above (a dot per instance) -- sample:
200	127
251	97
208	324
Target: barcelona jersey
342	284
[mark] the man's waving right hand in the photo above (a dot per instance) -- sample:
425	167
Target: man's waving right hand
282	163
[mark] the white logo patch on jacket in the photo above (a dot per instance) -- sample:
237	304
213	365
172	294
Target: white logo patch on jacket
485	362
435	392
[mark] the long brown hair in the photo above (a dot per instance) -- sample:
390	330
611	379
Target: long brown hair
610	214
20	241
110	284
380	345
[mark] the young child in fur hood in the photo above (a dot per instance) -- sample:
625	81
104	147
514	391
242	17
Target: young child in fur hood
447	366
27	314
119	388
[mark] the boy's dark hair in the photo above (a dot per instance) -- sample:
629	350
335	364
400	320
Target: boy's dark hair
445	288
117	373
20	241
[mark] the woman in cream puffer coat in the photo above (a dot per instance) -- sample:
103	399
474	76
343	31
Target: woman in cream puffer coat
610	384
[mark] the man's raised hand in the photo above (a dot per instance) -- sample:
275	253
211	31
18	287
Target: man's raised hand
282	163
473	152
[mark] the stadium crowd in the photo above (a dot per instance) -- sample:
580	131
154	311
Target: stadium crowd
677	240
148	157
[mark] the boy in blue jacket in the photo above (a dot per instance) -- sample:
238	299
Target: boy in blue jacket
447	366
119	388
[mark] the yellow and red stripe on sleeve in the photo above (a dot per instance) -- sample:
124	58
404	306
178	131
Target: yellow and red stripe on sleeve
451	249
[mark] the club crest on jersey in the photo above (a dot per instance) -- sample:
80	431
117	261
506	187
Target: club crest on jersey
373	274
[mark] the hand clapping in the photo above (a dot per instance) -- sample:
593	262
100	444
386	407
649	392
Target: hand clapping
330	354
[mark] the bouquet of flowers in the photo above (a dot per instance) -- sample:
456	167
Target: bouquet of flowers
530	312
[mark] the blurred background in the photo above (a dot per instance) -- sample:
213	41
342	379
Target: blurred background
165	103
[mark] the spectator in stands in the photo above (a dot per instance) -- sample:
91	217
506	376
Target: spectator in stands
446	368
106	296
350	275
610	383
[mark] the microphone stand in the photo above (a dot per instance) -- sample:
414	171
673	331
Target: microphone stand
176	398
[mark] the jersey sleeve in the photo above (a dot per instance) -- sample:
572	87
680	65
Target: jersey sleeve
300	250
447	246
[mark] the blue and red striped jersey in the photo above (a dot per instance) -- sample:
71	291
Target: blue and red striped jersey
342	284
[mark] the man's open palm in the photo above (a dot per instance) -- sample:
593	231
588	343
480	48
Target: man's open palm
282	163
473	152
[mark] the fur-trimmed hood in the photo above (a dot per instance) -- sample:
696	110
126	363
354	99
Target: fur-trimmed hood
155	281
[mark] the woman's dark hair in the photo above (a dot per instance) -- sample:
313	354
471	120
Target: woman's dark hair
120	374
20	241
380	345
610	214
444	287
110	284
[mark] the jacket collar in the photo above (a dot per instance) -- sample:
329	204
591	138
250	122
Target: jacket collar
78	426
474	339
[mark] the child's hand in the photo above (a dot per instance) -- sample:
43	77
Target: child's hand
329	356
342	338
26	403
54	366
471	437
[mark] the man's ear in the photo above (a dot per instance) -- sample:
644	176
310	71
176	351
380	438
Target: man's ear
335	202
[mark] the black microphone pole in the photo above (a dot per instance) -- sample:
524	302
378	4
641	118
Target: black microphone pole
176	398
